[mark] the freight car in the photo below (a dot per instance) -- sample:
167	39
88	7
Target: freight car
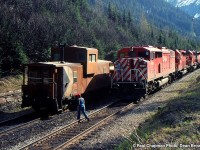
72	70
143	69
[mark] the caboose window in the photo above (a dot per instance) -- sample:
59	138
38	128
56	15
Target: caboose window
56	57
74	76
92	57
81	56
104	70
34	76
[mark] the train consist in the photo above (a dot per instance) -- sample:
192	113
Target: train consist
72	70
144	69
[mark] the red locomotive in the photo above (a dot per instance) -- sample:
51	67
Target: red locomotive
143	69
192	62
198	59
181	63
72	70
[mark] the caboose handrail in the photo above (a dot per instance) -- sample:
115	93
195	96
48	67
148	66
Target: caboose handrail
40	80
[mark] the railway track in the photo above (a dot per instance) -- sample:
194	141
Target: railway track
69	134
26	120
65	137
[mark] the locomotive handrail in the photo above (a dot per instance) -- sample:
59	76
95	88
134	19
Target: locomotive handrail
116	71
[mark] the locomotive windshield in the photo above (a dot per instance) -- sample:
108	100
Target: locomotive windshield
144	54
122	55
132	54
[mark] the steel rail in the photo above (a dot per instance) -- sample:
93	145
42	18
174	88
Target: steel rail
65	127
93	127
9	130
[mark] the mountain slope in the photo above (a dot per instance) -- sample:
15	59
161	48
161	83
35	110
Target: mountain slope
158	12
192	7
29	28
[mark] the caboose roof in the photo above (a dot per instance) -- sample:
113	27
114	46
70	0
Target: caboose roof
56	64
83	48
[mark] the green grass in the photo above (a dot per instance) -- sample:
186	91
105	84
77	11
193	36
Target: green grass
178	122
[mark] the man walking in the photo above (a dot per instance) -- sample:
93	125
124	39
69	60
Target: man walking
81	108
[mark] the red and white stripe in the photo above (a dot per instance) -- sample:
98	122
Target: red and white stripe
137	73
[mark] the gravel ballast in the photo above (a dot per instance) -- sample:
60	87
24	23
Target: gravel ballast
116	131
109	136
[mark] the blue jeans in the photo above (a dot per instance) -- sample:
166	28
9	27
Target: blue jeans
81	109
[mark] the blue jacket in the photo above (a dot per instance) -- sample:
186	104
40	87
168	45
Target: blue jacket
81	102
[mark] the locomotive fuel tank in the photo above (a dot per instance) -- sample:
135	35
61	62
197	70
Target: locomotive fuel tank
163	81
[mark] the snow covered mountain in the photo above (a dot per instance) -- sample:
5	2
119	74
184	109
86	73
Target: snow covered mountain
192	7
